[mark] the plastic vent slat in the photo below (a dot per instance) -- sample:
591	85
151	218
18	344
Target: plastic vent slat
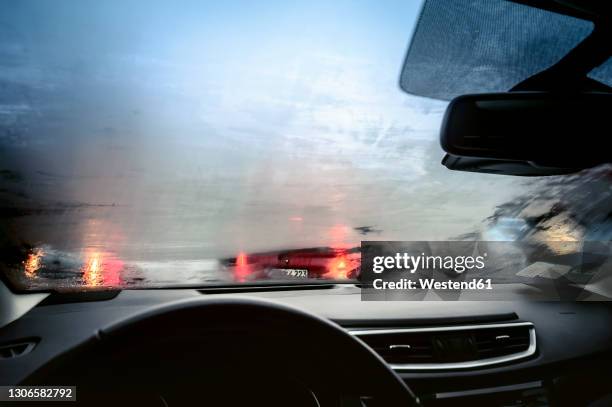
16	349
478	344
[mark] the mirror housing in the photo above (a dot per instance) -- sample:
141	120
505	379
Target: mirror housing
527	133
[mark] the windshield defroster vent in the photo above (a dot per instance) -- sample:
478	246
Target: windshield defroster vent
451	347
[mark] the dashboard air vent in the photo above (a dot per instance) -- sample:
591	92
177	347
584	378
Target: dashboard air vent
14	350
451	347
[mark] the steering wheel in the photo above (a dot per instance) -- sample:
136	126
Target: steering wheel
225	351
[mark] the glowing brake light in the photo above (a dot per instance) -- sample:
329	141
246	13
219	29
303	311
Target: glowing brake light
101	269
337	268
242	267
241	259
34	262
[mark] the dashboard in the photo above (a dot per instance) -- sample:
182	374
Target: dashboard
563	357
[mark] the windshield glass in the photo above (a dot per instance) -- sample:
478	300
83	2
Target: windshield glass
166	143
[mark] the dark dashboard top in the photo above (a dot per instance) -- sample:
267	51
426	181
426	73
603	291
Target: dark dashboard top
560	327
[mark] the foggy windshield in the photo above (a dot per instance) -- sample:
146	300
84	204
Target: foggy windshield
161	143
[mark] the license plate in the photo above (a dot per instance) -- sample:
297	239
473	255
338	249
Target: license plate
288	273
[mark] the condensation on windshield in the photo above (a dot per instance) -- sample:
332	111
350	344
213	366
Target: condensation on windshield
151	144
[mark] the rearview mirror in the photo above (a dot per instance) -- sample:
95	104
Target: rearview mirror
527	133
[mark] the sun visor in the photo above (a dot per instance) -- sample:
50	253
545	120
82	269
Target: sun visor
476	46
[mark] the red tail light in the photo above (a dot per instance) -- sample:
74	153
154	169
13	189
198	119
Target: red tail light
242	269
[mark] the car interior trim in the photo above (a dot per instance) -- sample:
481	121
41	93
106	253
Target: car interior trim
472	364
